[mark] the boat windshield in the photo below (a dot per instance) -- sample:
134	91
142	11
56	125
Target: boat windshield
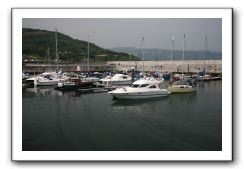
153	86
144	85
134	85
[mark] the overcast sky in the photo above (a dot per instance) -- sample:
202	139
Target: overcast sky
110	33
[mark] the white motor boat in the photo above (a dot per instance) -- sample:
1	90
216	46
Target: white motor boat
33	79
204	77
142	88
117	79
47	79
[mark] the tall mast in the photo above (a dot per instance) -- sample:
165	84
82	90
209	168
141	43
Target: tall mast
48	58
155	56
156	59
143	54
88	53
172	53
205	50
183	53
56	50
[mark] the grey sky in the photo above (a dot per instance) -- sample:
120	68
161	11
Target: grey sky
110	33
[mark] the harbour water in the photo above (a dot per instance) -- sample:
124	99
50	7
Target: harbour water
70	121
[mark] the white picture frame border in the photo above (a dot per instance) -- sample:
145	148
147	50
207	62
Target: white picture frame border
19	13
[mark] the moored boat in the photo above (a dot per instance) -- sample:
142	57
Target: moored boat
184	85
73	84
45	75
117	79
25	76
142	88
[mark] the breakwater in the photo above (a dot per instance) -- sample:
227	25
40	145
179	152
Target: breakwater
40	68
191	66
214	66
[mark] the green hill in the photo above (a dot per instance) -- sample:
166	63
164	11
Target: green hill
35	44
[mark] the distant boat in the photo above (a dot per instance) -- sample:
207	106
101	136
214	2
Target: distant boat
117	79
46	75
89	77
49	79
182	84
74	83
202	76
140	89
25	76
206	77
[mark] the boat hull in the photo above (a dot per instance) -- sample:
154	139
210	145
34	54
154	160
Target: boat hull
174	89
74	87
109	82
47	83
139	95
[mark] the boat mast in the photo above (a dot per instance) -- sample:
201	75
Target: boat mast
56	51
143	54
88	53
155	55
48	58
205	51
183	53
172	53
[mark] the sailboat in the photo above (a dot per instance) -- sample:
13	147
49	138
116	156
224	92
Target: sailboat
89	78
202	76
167	74
185	84
50	78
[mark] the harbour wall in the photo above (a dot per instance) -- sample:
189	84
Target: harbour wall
214	66
191	66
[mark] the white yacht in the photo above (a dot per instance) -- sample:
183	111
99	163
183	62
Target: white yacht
33	79
49	79
117	79
142	88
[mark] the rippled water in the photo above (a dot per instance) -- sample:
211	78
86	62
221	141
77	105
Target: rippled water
56	121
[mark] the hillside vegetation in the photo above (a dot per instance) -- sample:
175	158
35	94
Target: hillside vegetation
35	44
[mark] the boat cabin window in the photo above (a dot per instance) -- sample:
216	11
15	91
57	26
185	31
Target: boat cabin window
144	85
153	86
124	77
134	85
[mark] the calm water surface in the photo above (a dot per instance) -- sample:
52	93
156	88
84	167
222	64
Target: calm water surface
57	121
